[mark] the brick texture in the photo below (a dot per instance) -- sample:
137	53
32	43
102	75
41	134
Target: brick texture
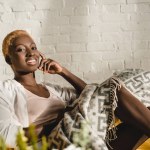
92	38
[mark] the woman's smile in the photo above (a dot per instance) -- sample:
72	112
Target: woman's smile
31	61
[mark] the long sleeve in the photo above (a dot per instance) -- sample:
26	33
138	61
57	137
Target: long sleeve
8	124
13	111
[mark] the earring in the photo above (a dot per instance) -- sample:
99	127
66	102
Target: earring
8	60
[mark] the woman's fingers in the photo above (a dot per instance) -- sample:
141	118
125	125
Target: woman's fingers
52	67
41	65
49	65
42	55
42	61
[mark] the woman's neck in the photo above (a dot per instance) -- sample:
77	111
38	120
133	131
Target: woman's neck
28	79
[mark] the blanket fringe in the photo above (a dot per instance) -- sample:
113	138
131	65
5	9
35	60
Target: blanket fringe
115	85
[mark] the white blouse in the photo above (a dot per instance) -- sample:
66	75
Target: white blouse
13	107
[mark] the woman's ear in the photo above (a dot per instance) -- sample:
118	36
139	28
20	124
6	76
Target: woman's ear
8	60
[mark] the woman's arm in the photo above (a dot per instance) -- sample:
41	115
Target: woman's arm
76	82
52	67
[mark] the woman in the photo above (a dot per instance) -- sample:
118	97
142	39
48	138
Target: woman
21	54
24	101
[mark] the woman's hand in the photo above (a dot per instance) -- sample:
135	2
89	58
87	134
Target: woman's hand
52	67
49	66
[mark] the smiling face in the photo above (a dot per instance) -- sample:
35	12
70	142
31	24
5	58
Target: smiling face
23	54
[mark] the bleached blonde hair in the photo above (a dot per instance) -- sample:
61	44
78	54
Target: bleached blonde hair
9	39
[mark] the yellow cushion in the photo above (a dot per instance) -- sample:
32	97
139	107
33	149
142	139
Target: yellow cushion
145	145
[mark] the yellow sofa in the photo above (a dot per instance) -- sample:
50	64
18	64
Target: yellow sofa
145	145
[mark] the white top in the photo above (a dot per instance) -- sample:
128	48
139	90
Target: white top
13	107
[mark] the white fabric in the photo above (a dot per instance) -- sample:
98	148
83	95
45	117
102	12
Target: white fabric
13	107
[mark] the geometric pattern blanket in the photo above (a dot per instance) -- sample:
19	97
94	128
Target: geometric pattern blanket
96	105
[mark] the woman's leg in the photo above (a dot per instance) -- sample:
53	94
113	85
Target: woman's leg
137	121
127	137
131	111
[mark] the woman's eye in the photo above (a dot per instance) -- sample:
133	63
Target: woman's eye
34	48
21	50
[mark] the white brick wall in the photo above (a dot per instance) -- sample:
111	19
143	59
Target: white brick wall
92	38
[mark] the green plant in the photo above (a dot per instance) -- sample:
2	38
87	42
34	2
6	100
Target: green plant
21	140
81	137
80	140
2	144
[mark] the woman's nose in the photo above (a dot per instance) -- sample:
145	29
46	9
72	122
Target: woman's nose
29	53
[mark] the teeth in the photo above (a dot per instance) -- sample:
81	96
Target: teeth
30	61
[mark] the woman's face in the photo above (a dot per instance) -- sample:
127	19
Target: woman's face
24	55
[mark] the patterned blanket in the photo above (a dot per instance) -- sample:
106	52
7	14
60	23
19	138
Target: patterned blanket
96	106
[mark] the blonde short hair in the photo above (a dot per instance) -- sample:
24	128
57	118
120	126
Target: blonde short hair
9	39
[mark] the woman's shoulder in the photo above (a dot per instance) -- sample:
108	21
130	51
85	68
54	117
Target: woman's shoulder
8	85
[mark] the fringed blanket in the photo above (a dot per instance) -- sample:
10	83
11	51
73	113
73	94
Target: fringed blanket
96	106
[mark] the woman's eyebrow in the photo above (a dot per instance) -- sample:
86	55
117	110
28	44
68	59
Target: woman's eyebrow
15	45
18	45
32	44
